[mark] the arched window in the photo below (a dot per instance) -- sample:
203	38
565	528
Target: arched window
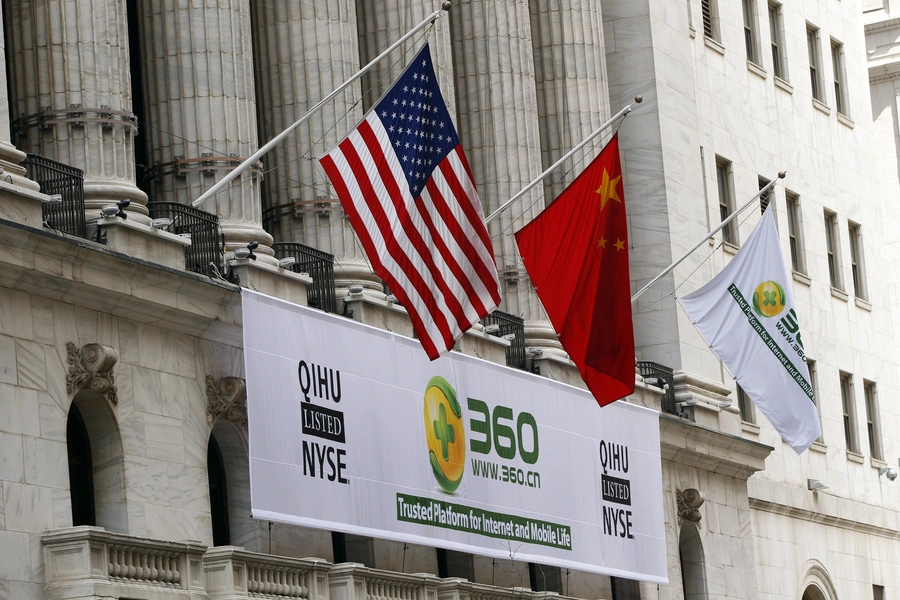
218	494
693	569
816	583
81	469
812	592
96	464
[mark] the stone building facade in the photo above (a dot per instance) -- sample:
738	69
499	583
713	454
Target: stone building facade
121	364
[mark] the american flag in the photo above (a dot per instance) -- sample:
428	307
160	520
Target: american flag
405	184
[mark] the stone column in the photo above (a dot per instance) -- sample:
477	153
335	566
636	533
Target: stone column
71	91
303	51
571	84
10	156
496	101
384	22
201	110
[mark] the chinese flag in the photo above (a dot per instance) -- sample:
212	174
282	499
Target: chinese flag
576	253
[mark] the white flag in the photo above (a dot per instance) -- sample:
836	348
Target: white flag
746	314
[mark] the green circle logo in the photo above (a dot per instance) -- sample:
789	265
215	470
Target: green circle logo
769	299
445	435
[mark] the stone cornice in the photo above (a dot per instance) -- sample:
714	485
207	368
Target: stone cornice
886	25
813	516
884	72
685	442
82	272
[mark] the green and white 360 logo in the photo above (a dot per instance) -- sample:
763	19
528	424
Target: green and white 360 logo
496	431
769	299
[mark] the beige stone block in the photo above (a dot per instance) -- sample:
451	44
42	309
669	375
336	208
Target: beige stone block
19	407
146	480
147	390
163	438
17	556
32	372
53	418
42	317
27	508
188	487
46	463
8	370
12	458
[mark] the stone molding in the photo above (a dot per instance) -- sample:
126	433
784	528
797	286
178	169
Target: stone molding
226	399
705	391
886	25
91	368
689	502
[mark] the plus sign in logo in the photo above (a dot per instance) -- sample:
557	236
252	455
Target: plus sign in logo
444	431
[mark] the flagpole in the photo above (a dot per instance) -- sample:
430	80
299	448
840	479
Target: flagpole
725	222
582	144
445	7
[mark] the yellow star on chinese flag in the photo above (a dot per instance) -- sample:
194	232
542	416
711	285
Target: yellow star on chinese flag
620	244
601	243
607	190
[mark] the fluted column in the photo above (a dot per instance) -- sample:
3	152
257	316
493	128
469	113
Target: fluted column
302	52
384	22
201	110
498	125
71	92
10	156
571	83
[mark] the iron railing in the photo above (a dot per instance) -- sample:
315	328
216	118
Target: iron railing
663	377
56	178
205	254
510	325
319	265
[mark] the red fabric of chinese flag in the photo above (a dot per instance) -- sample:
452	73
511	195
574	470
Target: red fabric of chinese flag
576	253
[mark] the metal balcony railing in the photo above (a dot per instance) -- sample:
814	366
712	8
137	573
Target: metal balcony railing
319	265
660	376
56	178
513	329
205	251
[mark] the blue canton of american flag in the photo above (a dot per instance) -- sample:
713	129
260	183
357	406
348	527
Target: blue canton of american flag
408	191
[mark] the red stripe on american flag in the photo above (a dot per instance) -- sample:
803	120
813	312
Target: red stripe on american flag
391	244
463	244
477	221
340	186
412	234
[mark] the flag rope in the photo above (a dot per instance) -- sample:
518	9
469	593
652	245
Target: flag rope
278	138
714	231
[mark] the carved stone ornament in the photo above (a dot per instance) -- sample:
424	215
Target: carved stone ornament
226	399
91	368
689	501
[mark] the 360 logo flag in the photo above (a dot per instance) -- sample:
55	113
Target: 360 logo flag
746	314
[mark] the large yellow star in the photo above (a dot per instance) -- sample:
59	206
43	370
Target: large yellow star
607	189
601	243
620	244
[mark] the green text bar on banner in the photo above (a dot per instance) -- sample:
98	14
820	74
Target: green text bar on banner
458	453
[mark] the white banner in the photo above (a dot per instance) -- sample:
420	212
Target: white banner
352	429
746	315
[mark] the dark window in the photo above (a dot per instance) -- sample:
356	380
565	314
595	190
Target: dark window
81	469
775	35
353	548
856	266
710	25
794	234
765	198
813	376
872	425
831	249
544	578
726	204
837	62
749	31
877	592
748	413
455	564
218	497
625	589
848	413
812	42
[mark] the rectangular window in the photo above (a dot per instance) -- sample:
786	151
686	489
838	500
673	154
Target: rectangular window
813	376
455	564
877	592
625	589
840	90
812	42
544	578
726	200
795	237
777	35
856	262
848	412
710	19
764	198
831	247
353	548
750	31
745	405
873	428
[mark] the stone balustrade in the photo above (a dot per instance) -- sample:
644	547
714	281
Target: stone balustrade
232	572
89	562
